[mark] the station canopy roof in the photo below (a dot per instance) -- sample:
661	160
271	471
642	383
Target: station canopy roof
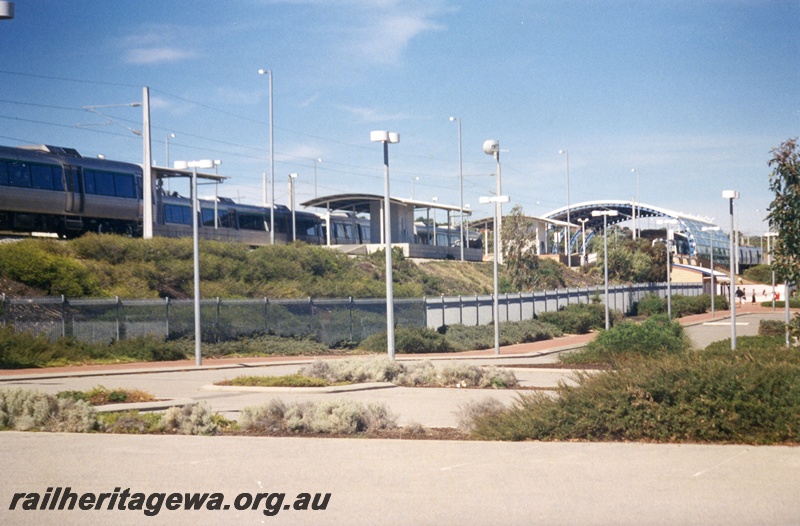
360	203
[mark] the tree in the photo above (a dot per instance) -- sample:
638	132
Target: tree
784	211
524	270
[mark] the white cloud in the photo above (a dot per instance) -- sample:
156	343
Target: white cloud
157	55
374	115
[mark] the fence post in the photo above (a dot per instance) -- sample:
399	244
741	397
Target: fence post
4	309
266	316
460	310
117	309
425	311
310	314
217	322
166	317
63	316
351	317
443	312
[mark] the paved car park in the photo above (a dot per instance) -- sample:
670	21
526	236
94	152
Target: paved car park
394	481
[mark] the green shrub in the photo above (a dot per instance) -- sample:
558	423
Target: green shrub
468	338
651	305
577	318
656	335
408	340
44	264
130	422
771	328
714	395
25	410
759	274
354	371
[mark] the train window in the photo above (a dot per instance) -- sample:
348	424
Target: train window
253	222
208	217
124	186
176	214
3	173
19	174
226	218
344	231
306	227
41	177
104	184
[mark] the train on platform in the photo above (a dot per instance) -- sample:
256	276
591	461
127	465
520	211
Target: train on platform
57	191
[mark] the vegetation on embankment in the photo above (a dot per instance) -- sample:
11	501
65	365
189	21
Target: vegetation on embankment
131	268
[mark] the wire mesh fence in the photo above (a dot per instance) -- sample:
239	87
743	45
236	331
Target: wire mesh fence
331	321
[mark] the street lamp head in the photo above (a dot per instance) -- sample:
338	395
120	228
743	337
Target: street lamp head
563	152
264	71
730	194
384	136
491	147
6	10
292	176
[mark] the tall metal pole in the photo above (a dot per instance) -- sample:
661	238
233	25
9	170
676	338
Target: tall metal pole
605	261
268	72
385	138
387	222
460	186
198	333
495	301
567	251
731	195
147	174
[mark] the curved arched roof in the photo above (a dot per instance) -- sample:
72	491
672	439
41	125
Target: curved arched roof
689	225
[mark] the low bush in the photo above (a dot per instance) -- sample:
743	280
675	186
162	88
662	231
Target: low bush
25	410
329	417
748	396
130	422
102	396
794	303
577	318
650	305
289	380
408	340
468	338
654	336
189	420
771	328
410	374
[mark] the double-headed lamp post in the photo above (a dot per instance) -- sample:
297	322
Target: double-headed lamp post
460	188
713	284
605	214
194	165
730	195
492	147
387	138
497	200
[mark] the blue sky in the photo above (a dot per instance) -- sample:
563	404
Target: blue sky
693	94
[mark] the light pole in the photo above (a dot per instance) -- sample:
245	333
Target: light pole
268	72
567	251
605	214
634	170
412	186
670	239
497	200
387	138
713	286
492	147
583	234
730	195
434	199
460	189
292	177
198	333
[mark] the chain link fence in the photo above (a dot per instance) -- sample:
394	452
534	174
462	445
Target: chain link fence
330	321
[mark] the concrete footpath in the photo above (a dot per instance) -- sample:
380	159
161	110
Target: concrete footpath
391	481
